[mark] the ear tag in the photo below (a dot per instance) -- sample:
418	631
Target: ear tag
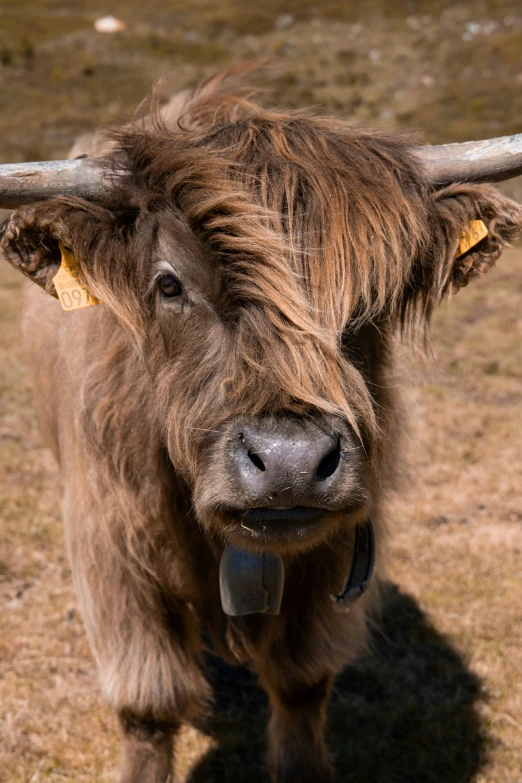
471	236
72	294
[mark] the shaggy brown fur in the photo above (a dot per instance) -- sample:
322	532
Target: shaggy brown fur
303	246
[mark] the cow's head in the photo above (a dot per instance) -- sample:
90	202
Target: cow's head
260	264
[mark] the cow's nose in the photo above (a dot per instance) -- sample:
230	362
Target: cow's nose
287	467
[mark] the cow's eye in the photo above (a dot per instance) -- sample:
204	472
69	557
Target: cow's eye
170	286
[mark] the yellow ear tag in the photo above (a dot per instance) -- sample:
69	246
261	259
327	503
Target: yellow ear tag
71	293
471	236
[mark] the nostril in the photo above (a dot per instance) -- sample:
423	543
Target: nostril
256	460
330	463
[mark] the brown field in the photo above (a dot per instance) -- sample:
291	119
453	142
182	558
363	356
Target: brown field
439	699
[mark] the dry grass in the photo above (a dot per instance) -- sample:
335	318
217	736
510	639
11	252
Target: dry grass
439	699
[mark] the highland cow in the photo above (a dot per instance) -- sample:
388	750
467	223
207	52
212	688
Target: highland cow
231	392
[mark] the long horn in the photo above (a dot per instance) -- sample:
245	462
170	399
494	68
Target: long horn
21	183
491	160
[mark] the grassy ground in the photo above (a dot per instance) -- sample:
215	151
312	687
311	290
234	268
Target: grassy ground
439	699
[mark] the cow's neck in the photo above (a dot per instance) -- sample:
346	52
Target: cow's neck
253	583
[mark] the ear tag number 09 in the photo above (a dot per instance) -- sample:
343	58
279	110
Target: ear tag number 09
72	294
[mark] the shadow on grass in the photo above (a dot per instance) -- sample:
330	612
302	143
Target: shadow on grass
405	713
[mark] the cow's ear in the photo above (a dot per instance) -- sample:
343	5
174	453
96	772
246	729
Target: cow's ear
30	239
455	212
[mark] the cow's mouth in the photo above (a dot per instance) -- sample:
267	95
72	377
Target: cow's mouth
276	513
283	524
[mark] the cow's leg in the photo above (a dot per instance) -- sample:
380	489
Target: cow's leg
147	749
296	657
155	684
296	746
147	646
